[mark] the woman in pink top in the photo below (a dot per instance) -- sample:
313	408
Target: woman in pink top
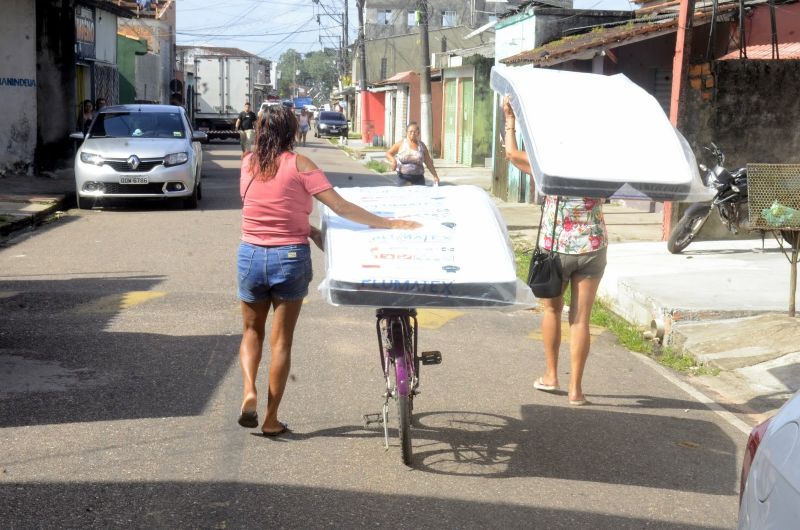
274	259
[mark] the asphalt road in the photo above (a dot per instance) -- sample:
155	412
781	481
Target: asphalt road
120	388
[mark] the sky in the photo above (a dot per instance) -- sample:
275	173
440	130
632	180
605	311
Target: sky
268	28
263	27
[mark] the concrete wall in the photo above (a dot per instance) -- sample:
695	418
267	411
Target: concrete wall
753	116
758	29
127	51
106	36
482	125
402	53
55	61
149	84
398	20
18	81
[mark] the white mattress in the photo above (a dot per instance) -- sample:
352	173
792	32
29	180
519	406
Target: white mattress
461	257
590	135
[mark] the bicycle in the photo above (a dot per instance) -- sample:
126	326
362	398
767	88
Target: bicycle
397	344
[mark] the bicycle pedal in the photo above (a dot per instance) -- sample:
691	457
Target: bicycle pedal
369	419
431	357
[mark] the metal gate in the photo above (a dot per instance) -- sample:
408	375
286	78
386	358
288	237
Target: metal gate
465	127
450	119
106	83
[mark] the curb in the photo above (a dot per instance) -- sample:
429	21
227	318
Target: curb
35	218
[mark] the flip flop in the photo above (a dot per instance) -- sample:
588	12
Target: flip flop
579	402
539	385
284	429
248	419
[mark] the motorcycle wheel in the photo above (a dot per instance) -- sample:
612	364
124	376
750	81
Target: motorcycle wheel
688	227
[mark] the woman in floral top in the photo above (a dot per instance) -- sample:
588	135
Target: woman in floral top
580	242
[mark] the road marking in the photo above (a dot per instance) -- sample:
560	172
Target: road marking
8	294
114	303
436	318
132	298
594	331
715	407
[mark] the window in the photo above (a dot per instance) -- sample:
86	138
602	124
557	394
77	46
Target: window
384	16
412	18
384	67
448	19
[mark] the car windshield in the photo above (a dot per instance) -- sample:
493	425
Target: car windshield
331	116
137	125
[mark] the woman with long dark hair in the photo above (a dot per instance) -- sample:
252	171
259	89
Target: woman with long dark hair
274	258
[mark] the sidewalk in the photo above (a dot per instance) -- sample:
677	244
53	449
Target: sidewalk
26	201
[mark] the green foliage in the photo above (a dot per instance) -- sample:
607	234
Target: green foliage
377	166
316	71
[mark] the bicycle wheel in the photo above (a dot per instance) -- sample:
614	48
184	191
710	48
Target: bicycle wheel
402	386
403	401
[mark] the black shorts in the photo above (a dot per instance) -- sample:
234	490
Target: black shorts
410	180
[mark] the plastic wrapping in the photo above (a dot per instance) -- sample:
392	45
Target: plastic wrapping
461	257
590	135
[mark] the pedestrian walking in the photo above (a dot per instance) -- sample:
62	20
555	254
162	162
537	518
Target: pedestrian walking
274	259
244	124
304	125
408	158
580	242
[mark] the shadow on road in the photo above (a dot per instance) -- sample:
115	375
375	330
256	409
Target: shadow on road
585	444
245	505
61	360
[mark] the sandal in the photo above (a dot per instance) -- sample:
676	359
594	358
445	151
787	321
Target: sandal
248	419
540	385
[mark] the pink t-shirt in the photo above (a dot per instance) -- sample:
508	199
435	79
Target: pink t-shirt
275	211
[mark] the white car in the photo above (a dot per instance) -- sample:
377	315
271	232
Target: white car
770	482
139	151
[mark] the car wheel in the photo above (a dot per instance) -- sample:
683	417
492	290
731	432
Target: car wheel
190	202
83	203
199	191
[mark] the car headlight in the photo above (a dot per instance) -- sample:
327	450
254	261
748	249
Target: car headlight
91	158
175	159
323	126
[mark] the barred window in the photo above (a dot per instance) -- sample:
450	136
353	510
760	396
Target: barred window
384	16
384	67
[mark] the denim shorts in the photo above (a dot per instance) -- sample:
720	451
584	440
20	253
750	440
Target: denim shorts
273	273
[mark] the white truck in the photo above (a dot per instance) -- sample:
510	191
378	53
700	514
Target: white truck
223	84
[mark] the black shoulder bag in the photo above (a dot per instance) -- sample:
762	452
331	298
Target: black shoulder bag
544	275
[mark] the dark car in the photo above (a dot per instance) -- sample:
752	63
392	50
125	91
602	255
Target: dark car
331	124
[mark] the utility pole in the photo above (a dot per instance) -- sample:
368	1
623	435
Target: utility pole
345	41
362	72
680	69
426	113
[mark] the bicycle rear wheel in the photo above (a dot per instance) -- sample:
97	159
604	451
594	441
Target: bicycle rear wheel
403	401
402	386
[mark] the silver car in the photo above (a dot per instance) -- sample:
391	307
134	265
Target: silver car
139	151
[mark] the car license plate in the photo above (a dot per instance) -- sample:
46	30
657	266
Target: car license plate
334	129
133	180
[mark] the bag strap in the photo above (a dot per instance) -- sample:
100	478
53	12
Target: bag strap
555	217
539	230
247	188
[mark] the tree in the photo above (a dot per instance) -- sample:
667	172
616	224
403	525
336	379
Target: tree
289	63
320	68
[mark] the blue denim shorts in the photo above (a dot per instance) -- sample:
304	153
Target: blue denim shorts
273	273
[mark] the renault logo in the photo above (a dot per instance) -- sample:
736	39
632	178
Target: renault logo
133	161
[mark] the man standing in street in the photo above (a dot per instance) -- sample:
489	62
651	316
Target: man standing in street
244	124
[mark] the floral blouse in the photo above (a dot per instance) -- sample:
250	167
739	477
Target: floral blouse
581	227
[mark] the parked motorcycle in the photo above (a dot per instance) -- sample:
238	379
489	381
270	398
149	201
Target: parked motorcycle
730	201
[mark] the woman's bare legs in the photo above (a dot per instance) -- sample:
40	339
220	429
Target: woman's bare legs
551	337
254	318
584	290
284	320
